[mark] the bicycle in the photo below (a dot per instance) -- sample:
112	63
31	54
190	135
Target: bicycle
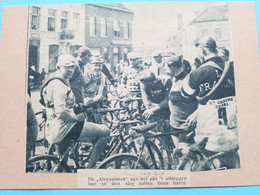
126	110
159	134
54	162
114	90
196	160
141	142
41	140
50	163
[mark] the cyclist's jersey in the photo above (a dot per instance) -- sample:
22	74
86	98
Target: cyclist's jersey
77	83
217	118
130	79
158	94
182	108
92	84
62	100
202	80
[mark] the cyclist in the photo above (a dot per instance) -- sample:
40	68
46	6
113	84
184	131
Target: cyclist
216	114
77	80
155	92
63	124
130	79
180	108
94	79
157	65
95	83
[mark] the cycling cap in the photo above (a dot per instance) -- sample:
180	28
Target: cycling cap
224	51
208	42
174	61
83	51
97	60
66	60
156	54
133	55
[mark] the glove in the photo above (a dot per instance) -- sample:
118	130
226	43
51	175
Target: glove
81	117
77	109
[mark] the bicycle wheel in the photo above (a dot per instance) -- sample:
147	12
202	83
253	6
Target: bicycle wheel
164	150
107	119
123	161
150	153
46	164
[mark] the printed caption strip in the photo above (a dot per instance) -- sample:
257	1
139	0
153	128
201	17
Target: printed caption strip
132	179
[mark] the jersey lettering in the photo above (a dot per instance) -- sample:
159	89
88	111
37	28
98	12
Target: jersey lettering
204	87
218	121
218	73
222	116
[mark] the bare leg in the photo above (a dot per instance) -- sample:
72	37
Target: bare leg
97	149
100	133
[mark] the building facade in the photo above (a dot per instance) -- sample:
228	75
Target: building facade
108	31
214	21
57	29
52	30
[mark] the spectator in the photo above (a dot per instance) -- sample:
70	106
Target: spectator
43	74
224	54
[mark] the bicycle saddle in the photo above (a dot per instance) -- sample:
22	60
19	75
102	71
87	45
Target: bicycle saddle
197	147
144	128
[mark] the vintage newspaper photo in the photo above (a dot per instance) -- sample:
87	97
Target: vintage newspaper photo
114	98
131	95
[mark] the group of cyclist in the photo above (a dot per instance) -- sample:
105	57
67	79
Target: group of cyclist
198	96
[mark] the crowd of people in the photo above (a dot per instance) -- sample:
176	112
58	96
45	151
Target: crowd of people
198	95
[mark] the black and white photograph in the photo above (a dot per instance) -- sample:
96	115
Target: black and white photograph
147	86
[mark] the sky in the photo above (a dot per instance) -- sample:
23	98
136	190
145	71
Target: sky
154	23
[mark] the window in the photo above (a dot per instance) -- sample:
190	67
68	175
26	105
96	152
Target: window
103	23
92	26
126	30
64	20
35	18
76	22
51	20
218	33
204	32
116	28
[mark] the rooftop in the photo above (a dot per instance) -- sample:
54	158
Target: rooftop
116	6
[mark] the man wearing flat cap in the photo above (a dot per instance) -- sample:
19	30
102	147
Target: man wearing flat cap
180	108
216	114
157	64
77	80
